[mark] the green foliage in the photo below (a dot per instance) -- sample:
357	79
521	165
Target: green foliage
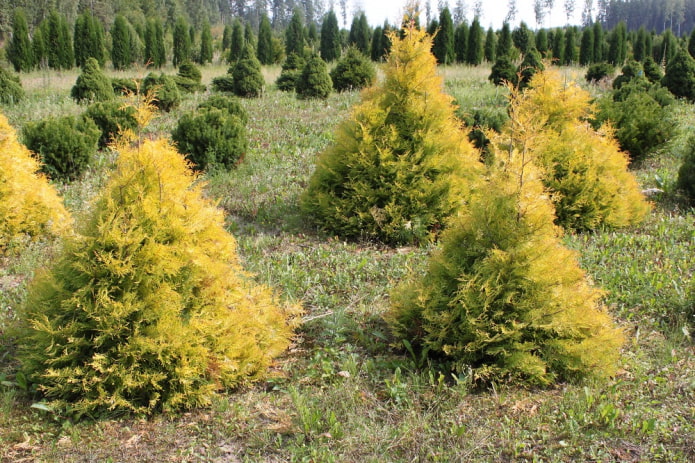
248	79
182	42
542	44
189	78
680	75
530	65
443	47
474	47
65	145
461	42
57	42
503	298
586	48
236	44
503	71
147	308
400	166
92	84
112	118
211	138
599	71
583	169
314	80
617	45
19	51
155	53
330	37
166	92
294	34
360	35
691	43
227	103
29	205
505	43
291	70
558	46
570	56
120	43
354	71
522	37
89	39
264	51
686	174
639	47
652	71
224	83
125	85
490	45
205	54
630	72
377	49
11	90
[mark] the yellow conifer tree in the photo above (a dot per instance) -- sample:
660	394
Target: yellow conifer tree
29	205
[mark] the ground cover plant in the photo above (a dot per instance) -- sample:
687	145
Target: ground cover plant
342	392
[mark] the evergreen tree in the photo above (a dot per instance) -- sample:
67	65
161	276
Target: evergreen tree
11	90
120	43
92	84
586	50
247	75
686	179
236	46
639	47
530	65
570	56
503	71
19	51
400	166
523	37
353	71
66	53
443	48
669	47
461	42
330	38
294	35
376	50
679	77
617	45
542	44
205	55
226	38
249	36
691	43
38	46
598	42
559	46
490	45
505	44
52	40
80	38
182	42
360	36
264	51
88	40
475	51
291	69
314	80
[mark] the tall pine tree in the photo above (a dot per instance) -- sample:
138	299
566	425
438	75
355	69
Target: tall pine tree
264	50
182	42
476	39
443	48
120	43
19	51
330	38
294	35
205	55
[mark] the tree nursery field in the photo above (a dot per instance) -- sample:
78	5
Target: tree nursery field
342	384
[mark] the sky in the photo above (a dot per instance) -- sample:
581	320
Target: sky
494	12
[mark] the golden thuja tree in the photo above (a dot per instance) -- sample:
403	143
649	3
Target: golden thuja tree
583	169
148	307
503	298
29	205
401	164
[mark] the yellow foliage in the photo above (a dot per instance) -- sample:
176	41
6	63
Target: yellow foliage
29	205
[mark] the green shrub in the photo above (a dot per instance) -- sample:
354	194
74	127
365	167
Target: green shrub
11	90
482	120
126	86
111	117
228	103
599	71
401	165
248	79
632	71
29	205
65	145
92	84
686	173
314	80
166	92
503	71
224	83
353	71
529	66
652	71
502	298
189	78
147	308
291	69
680	75
211	138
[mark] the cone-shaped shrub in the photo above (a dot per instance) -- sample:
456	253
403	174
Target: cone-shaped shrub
112	118
529	66
65	144
652	71
680	75
503	298
686	174
503	71
224	83
189	78
211	138
230	104
291	69
126	86
314	80
29	205
584	169
248	79
354	71
148	308
401	164
92	85
11	90
166	92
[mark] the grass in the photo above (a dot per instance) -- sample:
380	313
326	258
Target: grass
342	392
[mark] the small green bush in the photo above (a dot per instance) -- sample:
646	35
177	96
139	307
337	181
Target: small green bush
652	71
503	71
680	75
354	71
65	145
228	103
481	120
224	83
530	65
599	71
314	81
112	117
11	90
248	79
189	78
126	86
92	84
686	173
630	72
291	69
166	92
211	138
